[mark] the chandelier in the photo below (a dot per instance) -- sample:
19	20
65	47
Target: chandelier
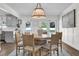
38	12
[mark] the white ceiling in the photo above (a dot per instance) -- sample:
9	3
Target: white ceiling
50	8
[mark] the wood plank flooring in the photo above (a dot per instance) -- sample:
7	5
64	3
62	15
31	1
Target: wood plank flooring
70	50
9	47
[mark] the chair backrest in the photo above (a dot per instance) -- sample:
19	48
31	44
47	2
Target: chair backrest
17	37
27	33
28	40
54	39
60	35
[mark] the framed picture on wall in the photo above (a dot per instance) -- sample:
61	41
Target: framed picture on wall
28	24
68	20
52	24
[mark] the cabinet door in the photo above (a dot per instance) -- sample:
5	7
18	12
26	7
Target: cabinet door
9	37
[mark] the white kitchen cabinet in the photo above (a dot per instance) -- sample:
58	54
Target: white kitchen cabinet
9	37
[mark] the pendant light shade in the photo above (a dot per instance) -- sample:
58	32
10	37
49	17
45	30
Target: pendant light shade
38	12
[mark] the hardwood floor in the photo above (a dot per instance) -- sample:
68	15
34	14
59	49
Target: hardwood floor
70	50
9	47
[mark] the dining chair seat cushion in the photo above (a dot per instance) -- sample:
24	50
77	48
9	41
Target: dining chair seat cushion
47	46
30	48
20	43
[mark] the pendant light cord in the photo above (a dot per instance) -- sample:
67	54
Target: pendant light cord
38	5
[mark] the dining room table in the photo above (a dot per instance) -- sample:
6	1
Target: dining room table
43	36
41	40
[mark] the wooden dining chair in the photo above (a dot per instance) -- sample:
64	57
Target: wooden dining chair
29	44
53	45
19	42
60	40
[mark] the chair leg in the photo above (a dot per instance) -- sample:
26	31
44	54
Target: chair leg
57	52
40	52
16	51
33	53
61	47
29	53
53	51
23	52
50	51
19	49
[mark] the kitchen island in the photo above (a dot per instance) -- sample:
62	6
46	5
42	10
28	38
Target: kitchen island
8	35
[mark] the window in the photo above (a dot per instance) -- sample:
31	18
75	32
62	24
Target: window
44	26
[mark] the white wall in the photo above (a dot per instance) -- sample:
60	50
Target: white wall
35	23
71	35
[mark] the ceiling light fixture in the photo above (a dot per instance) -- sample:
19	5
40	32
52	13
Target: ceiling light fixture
38	12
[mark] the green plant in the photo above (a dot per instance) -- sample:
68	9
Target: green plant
44	25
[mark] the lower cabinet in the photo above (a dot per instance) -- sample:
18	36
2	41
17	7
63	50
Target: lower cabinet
9	37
